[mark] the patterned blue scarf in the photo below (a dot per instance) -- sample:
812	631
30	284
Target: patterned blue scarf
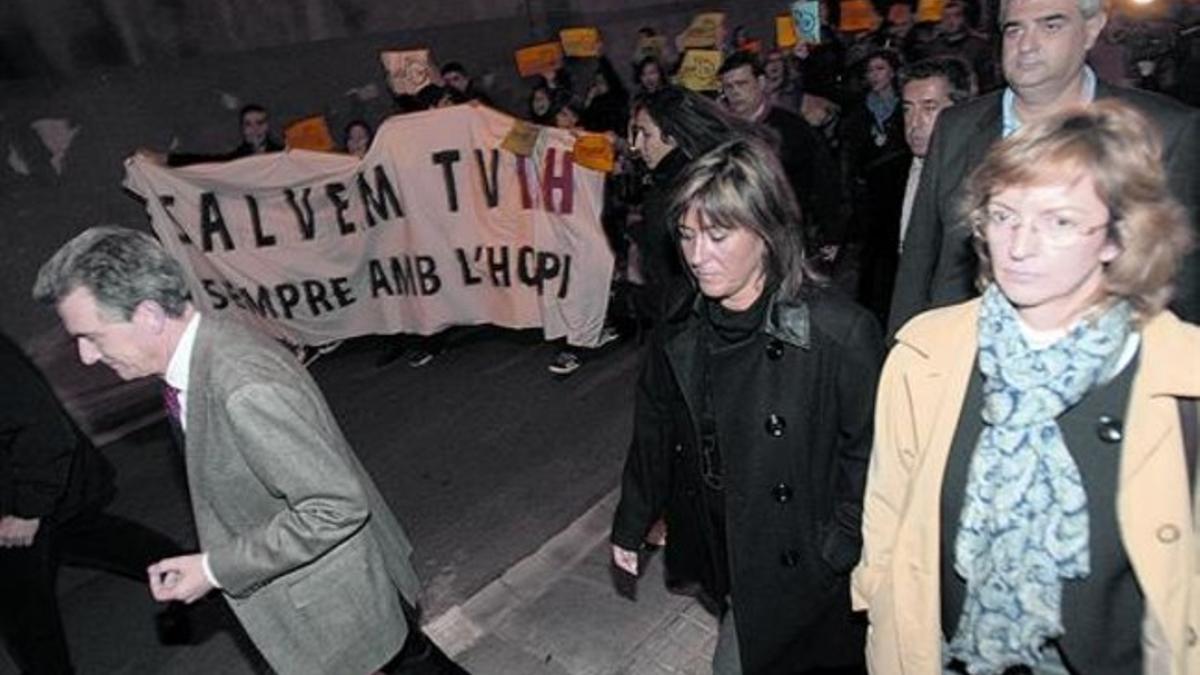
1024	524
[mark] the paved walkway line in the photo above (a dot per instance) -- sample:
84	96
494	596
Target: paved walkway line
460	627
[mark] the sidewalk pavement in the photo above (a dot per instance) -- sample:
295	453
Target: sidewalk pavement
558	612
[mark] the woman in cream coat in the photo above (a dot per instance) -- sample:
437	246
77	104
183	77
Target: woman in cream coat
1028	503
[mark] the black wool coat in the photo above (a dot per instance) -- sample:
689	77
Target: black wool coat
795	456
48	468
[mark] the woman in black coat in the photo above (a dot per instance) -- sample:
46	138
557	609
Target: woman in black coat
753	426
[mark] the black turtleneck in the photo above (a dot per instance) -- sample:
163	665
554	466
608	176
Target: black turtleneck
725	335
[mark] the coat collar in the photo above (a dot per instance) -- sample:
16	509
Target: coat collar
198	378
947	337
944	337
788	321
1166	339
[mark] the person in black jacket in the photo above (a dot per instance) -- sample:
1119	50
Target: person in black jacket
1043	50
669	128
256	139
53	489
752	426
807	160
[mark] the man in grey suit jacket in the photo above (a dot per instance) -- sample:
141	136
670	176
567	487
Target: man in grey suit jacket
291	527
1044	46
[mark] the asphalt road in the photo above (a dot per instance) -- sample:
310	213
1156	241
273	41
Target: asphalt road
482	454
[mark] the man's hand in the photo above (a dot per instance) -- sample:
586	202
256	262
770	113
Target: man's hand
625	559
180	578
17	532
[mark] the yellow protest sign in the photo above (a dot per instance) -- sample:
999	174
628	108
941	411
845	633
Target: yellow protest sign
580	42
521	139
785	31
705	31
858	15
595	151
655	45
930	10
309	133
409	71
539	59
698	71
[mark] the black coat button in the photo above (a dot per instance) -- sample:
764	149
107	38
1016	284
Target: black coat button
1109	429
775	425
774	349
782	493
789	558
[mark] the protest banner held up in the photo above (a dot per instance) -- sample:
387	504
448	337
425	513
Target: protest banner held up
437	225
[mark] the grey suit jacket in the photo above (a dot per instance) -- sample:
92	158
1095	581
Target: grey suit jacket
939	265
311	559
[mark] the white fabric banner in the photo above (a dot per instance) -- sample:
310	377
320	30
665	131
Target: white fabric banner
436	226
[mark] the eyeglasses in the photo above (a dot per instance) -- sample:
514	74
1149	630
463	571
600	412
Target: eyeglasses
1054	229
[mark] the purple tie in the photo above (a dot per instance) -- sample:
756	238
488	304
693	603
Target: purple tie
171	402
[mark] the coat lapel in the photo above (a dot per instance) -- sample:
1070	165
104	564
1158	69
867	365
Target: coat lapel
681	350
987	131
936	393
1155	514
198	389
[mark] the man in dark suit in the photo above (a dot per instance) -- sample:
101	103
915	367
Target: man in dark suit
811	168
291	528
54	486
1044	45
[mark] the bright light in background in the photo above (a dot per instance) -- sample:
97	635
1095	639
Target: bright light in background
1143	2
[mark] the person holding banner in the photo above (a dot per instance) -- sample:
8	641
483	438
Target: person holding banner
358	136
460	84
256	139
291	529
752	426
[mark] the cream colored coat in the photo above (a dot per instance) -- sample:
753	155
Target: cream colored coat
920	397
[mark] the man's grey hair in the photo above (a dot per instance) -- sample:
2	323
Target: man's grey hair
1088	8
120	267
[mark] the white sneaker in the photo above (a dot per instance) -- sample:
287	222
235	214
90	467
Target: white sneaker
565	363
608	334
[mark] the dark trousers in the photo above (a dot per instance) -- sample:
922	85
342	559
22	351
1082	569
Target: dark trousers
420	655
29	616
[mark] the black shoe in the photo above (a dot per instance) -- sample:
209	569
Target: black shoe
421	656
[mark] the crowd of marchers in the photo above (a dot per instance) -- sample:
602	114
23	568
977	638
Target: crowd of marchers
919	393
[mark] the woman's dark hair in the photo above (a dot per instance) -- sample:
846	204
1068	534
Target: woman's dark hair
741	184
693	123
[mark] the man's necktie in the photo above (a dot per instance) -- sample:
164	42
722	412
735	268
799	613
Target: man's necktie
171	403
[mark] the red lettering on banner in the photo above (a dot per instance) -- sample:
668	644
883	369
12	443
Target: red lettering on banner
563	182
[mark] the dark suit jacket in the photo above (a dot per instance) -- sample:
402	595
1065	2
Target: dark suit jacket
939	265
812	172
309	555
48	468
